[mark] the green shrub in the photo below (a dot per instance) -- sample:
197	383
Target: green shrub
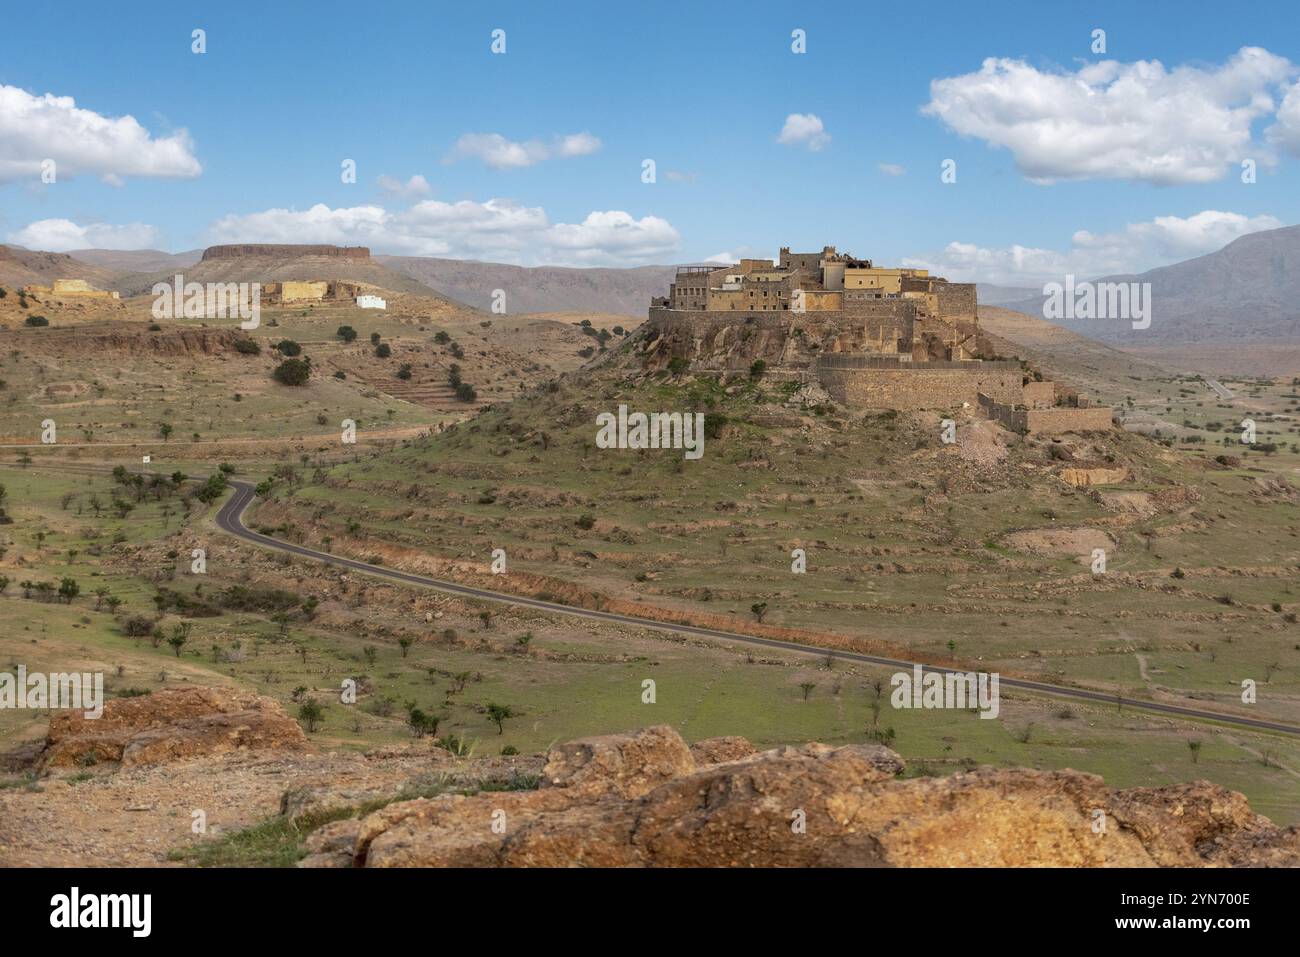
293	372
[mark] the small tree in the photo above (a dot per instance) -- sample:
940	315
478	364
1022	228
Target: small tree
1194	745
807	688
68	590
405	643
166	430
294	372
499	713
423	723
759	608
678	366
346	333
311	715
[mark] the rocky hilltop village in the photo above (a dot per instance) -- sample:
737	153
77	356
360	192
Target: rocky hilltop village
871	337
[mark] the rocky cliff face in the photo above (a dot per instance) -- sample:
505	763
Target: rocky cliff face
648	800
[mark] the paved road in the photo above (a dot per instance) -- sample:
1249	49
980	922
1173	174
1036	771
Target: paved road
1223	391
230	519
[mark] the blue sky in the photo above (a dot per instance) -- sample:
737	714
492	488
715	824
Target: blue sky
286	91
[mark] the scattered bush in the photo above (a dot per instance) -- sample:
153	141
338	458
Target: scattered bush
293	372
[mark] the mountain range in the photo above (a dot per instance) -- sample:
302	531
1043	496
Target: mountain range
1248	290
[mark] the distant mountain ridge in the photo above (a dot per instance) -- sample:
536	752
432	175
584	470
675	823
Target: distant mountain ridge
1247	291
26	267
530	289
265	262
136	260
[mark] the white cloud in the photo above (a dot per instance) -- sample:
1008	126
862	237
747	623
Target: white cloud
804	129
498	152
891	169
1286	131
82	142
61	235
415	186
577	144
498	230
1135	248
1111	120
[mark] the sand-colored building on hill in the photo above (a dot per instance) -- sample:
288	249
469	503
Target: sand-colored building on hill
316	290
874	337
69	288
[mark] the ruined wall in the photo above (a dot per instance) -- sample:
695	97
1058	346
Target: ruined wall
957	300
293	291
1095	419
860	382
1050	421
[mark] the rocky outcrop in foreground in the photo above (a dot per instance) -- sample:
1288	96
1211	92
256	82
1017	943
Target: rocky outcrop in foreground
646	799
169	725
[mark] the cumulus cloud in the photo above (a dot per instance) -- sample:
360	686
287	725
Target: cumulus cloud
61	235
82	142
891	169
415	186
1285	133
1109	120
804	129
496	151
499	230
1133	249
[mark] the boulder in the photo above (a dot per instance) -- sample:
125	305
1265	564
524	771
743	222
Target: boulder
169	725
643	800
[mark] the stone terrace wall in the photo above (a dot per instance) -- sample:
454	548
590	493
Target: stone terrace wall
1096	419
867	383
1052	421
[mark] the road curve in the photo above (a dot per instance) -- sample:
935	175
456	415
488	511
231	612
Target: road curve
230	520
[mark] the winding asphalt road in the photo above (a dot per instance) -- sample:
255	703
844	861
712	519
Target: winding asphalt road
230	519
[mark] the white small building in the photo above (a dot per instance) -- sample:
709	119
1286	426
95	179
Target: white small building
371	302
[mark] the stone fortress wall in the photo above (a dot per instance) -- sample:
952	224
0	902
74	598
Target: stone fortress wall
869	383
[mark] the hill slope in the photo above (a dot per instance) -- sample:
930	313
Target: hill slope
21	267
137	260
270	263
624	292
